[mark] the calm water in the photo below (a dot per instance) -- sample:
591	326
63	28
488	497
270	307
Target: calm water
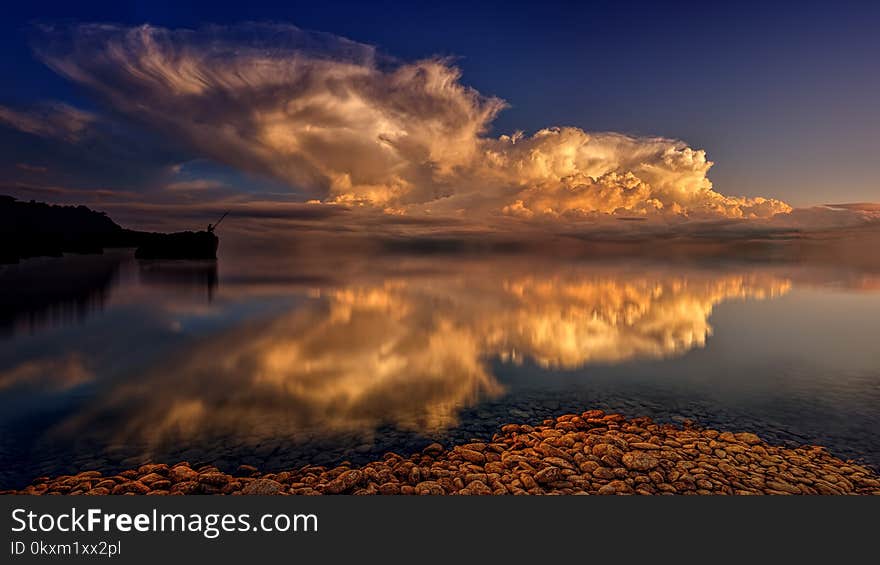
107	362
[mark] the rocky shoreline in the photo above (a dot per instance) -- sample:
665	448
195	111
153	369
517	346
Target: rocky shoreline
589	453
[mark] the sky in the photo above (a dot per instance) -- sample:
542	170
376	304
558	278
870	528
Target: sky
665	109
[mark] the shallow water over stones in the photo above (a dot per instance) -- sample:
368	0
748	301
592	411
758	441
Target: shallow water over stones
587	453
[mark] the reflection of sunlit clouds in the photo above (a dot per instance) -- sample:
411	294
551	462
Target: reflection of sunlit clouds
335	365
413	351
356	357
180	417
54	373
567	324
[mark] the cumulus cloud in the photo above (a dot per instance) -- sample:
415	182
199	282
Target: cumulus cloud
567	171
337	120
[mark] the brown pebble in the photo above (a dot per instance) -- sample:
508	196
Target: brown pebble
589	453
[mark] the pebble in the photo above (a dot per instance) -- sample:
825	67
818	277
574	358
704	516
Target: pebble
587	453
639	461
262	487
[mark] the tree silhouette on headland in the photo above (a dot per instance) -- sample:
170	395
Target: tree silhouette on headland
34	229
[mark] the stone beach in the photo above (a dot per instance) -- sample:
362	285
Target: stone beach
588	453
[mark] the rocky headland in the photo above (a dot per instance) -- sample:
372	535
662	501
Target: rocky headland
588	453
36	229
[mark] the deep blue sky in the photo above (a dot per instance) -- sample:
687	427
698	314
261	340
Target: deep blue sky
784	97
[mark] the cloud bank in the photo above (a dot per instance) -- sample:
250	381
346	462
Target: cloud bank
339	122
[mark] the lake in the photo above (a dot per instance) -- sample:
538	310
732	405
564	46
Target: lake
107	362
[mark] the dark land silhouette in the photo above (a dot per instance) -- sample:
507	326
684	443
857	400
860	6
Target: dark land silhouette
36	229
178	245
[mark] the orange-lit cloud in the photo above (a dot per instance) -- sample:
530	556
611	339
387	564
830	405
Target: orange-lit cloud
335	119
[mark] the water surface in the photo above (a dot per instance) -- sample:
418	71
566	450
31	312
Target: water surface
107	362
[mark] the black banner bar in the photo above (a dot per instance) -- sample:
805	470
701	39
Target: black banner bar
454	529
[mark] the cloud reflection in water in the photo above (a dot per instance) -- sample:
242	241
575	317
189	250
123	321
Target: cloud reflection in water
411	351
